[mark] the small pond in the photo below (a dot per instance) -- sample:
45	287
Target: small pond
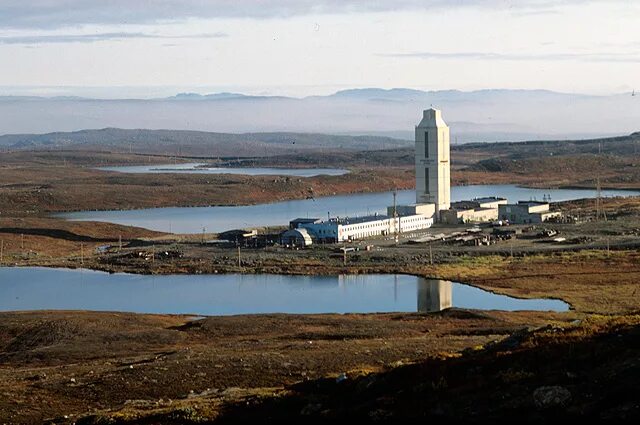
38	288
200	168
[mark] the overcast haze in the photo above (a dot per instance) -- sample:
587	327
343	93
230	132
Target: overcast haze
316	47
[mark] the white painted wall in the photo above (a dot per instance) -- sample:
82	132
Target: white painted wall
373	228
433	175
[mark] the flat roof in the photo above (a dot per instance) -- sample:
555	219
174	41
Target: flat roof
364	219
533	203
357	220
464	205
489	199
469	204
304	220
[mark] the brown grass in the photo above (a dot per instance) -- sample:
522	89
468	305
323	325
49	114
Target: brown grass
591	281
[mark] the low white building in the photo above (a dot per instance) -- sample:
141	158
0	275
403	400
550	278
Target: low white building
343	229
525	212
477	210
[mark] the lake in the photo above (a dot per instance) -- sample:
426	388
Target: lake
198	168
218	219
39	288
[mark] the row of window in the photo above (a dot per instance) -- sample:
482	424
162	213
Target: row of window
370	229
413	219
366	226
383	225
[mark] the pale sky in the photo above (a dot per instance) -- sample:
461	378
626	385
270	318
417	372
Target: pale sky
299	48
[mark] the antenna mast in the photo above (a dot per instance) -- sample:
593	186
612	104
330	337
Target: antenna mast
600	212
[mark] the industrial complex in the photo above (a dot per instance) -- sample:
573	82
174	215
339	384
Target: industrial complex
433	200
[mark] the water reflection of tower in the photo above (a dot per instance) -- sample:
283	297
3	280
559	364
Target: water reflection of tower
433	295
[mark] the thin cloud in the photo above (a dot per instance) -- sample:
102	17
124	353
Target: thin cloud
65	13
583	57
93	38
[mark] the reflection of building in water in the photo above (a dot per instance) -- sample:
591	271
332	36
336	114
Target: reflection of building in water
433	295
351	280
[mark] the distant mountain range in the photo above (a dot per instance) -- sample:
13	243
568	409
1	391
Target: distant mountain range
482	115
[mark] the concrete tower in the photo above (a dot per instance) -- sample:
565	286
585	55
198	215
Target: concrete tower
433	178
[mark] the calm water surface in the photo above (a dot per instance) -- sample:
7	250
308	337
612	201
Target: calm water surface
197	168
218	219
36	288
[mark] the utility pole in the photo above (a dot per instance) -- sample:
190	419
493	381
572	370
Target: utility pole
599	207
600	212
81	254
344	256
239	260
396	228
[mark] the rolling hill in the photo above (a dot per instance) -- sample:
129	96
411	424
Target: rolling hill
199	143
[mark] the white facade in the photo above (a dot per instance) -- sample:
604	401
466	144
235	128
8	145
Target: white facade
433	175
367	229
410	223
415	209
474	211
345	229
527	212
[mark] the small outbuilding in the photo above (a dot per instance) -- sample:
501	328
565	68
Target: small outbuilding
239	236
296	237
474	211
526	212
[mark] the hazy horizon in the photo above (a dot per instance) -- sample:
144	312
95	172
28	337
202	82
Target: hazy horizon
160	92
545	69
487	115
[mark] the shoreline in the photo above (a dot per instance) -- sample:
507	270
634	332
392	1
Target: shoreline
59	214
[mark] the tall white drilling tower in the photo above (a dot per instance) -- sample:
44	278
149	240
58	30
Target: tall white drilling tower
433	168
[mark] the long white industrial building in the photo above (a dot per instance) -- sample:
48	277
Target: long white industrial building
344	229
